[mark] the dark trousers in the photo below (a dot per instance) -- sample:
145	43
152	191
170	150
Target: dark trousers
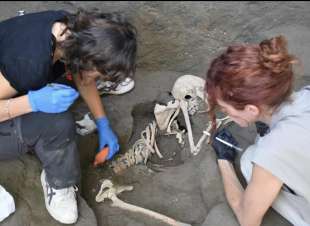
52	137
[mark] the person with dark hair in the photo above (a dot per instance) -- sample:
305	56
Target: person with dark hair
36	50
253	83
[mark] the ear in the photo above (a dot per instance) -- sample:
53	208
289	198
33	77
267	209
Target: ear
252	110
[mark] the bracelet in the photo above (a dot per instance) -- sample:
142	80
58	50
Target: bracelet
7	108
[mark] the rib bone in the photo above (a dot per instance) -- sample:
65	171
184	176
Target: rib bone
140	151
109	191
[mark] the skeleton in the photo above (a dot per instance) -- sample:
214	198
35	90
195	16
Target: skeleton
188	93
188	90
109	191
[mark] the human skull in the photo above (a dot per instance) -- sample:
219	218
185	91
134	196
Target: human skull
189	88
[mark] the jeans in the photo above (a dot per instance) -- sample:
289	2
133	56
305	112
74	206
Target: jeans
52	137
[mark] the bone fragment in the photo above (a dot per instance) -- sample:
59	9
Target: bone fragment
109	191
199	144
172	120
206	133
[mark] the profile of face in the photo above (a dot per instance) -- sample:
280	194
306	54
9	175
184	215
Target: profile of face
243	118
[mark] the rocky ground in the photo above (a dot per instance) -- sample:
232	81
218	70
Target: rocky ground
175	38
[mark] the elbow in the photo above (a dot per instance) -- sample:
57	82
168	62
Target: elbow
236	205
245	217
238	209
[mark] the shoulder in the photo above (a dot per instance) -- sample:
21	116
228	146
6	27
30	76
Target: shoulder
261	177
24	74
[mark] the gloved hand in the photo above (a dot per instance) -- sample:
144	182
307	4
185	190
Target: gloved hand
53	98
261	128
107	137
223	151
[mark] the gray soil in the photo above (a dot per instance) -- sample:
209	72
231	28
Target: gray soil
175	38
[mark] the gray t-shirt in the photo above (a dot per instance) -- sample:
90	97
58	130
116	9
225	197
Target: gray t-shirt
285	150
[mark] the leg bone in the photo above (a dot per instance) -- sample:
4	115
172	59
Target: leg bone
109	191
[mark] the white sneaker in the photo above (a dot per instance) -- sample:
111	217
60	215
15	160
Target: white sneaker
60	203
7	204
106	87
86	125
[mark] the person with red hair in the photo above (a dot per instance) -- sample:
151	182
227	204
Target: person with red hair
253	83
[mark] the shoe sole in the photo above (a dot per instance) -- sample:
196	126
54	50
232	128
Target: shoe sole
46	204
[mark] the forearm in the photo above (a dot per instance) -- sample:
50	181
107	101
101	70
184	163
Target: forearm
232	187
91	96
14	107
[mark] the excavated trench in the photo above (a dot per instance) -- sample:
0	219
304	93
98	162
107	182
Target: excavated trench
174	39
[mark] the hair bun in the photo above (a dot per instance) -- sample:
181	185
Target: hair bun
275	55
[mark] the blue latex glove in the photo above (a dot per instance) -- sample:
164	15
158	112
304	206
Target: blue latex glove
53	98
107	137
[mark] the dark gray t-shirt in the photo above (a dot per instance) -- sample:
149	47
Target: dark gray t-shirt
26	50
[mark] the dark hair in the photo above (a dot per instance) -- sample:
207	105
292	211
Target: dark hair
102	41
251	74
